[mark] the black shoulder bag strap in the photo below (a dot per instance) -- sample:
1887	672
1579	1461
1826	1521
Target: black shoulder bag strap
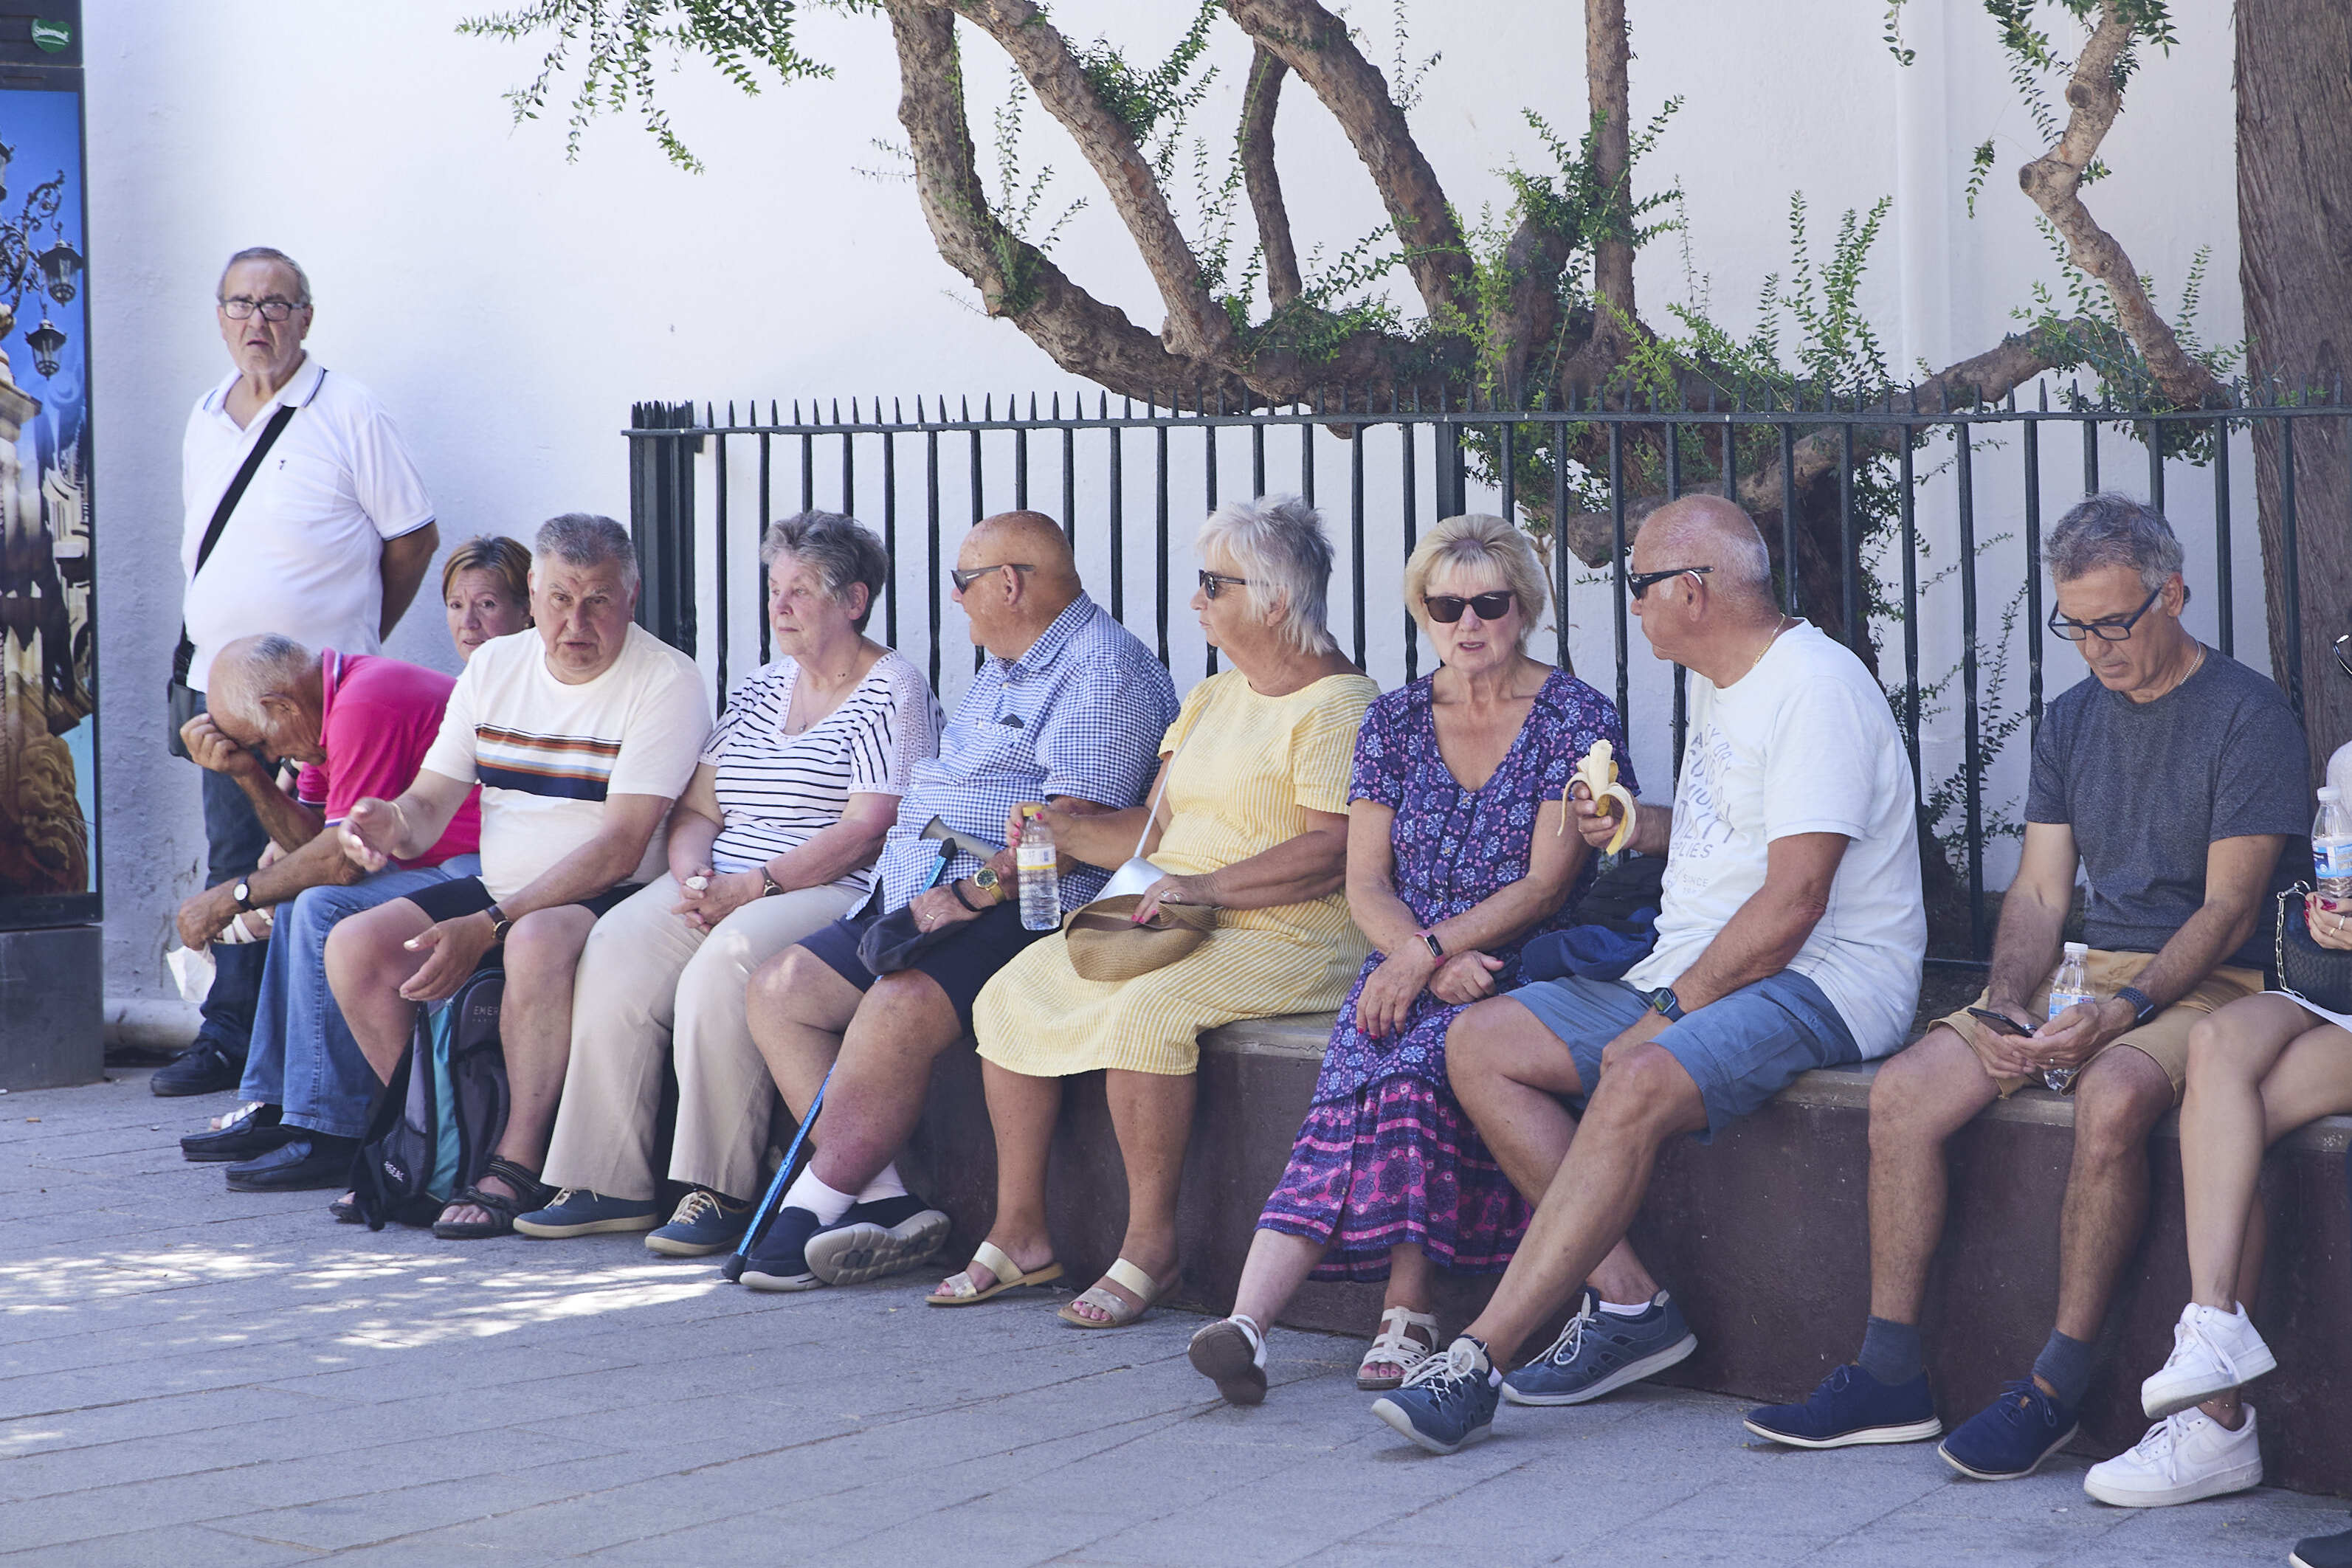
185	655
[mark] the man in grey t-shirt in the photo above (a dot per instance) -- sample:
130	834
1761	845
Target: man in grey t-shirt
2173	777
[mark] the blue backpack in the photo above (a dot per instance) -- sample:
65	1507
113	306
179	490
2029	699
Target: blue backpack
442	1115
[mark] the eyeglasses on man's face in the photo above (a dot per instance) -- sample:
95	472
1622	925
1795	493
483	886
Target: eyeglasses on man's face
243	308
1641	582
1447	608
1215	583
963	579
2108	628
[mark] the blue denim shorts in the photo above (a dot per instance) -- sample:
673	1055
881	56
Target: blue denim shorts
1740	1049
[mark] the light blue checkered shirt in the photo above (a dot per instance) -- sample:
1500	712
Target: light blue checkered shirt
1082	714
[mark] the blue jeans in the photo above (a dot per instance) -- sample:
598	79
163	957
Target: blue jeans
304	1057
234	840
1740	1049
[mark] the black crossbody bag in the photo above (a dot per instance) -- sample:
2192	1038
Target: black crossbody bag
181	702
2320	976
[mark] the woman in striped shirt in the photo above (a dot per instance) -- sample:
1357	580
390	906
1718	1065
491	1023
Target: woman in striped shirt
775	837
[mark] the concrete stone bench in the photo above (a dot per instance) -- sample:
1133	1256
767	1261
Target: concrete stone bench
1763	1235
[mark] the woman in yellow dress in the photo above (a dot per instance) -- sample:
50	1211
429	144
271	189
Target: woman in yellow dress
1253	823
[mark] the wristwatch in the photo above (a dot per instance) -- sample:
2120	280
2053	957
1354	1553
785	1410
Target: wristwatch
500	924
768	882
243	893
1437	948
988	882
2143	1005
1664	1000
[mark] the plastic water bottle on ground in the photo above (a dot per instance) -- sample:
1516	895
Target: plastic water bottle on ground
2331	846
1041	877
2071	985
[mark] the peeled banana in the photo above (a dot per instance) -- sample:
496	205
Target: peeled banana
1598	774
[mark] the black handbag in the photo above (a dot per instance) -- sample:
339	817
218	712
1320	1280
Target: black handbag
2317	974
181	701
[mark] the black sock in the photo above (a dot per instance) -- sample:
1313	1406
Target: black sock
1890	1351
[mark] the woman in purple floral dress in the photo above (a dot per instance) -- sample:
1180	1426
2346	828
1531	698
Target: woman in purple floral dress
1456	858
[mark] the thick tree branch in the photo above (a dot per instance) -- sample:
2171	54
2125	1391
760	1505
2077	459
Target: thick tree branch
1528	318
1313	42
2054	183
1197	325
1254	147
1015	279
1607	53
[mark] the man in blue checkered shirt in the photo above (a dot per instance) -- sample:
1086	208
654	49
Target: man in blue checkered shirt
1068	707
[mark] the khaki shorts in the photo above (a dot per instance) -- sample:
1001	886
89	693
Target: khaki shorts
2164	1039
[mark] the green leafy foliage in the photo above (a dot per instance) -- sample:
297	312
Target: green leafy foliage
1154	104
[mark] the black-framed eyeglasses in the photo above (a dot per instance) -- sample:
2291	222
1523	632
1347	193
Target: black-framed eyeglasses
1215	583
237	307
2344	653
1447	608
963	579
1641	582
2108	630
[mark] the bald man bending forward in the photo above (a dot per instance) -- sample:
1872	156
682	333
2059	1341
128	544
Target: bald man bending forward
1068	707
1790	938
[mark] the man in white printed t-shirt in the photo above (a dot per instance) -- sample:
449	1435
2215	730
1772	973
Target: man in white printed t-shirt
326	546
580	732
1790	932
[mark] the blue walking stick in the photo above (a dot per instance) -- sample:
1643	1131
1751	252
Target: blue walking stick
733	1268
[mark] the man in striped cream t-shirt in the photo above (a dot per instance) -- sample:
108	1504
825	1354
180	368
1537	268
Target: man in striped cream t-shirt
580	732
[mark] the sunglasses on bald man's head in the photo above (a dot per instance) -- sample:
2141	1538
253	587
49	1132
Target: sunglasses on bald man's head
1447	608
1641	582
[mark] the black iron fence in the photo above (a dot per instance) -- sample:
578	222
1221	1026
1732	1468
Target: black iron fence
1913	536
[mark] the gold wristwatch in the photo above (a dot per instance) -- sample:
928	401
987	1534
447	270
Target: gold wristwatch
988	882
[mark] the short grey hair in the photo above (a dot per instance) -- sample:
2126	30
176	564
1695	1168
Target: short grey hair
251	666
2110	528
1478	539
1280	544
266	252
583	538
842	550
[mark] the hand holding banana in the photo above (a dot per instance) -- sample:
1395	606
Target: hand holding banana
1598	774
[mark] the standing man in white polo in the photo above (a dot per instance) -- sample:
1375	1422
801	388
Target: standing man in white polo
325	542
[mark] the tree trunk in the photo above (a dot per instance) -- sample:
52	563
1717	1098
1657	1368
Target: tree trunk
2295	237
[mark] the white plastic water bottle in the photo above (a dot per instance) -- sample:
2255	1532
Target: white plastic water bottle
1040	872
2331	846
2070	985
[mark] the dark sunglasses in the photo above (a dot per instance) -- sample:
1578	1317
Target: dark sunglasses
963	579
2113	630
1447	608
1213	583
1641	582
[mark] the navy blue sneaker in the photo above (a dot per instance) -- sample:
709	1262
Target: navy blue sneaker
1600	1352
780	1261
578	1211
2009	1438
887	1236
705	1222
1447	1403
1850	1407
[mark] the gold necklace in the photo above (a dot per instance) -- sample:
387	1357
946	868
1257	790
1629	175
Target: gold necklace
1780	624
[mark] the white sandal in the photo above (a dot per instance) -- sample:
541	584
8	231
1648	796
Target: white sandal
1395	1346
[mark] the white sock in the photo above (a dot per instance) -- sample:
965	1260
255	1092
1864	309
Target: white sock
807	1192
1620	1309
887	1185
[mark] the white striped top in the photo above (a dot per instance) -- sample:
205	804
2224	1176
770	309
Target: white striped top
777	791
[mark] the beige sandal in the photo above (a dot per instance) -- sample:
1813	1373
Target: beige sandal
1122	1311
960	1292
1396	1346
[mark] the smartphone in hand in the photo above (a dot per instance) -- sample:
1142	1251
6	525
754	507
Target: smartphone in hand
2000	1023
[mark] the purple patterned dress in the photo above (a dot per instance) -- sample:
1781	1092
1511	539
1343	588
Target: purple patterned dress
1385	1156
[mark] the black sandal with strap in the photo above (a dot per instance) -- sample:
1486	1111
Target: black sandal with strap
531	1194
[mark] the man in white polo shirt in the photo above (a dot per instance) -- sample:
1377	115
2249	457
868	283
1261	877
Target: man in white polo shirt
325	545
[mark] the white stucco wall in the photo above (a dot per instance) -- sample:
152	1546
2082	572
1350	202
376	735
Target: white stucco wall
507	306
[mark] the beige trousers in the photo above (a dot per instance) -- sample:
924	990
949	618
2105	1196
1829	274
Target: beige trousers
651	985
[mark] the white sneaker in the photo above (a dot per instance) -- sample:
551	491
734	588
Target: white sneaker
2213	1353
2185	1457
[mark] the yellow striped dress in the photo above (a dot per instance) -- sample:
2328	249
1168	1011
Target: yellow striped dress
1246	783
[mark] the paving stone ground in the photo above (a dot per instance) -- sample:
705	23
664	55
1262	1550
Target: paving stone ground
191	1377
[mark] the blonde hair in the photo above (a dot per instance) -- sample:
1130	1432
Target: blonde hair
1473	539
505	558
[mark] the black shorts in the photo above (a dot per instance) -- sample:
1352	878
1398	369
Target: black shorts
961	965
466	896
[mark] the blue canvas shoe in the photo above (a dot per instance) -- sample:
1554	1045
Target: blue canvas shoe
780	1261
1600	1352
704	1223
576	1211
1850	1407
1447	1403
2009	1438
